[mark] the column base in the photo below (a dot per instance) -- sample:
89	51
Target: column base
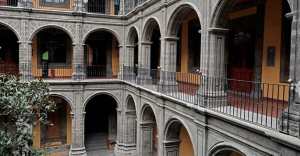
125	150
212	99
78	151
78	76
289	122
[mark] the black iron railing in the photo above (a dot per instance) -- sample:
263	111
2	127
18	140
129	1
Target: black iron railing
51	71
264	104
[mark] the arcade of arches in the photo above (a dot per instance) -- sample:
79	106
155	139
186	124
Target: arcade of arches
252	52
9	57
100	125
58	131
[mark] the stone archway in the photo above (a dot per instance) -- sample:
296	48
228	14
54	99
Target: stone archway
100	125
101	53
151	50
52	53
131	57
131	125
56	135
148	127
177	140
9	51
184	33
226	151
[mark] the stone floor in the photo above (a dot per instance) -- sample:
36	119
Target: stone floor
96	145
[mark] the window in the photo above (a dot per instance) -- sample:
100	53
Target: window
55	3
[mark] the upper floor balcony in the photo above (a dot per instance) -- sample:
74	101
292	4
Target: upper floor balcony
104	7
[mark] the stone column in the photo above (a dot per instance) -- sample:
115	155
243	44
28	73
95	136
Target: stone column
146	145
168	64
128	62
171	148
78	62
290	121
127	147
25	58
78	147
144	62
213	69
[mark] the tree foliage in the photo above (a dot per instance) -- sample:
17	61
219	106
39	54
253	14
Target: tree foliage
22	105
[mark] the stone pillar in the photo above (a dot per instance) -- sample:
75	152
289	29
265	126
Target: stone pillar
77	147
146	145
25	58
78	62
112	128
168	63
171	148
144	62
290	120
213	69
128	62
127	146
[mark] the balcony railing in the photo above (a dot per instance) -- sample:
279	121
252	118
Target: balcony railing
12	69
9	3
99	72
264	104
52	71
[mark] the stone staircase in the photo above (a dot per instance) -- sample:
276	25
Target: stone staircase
96	145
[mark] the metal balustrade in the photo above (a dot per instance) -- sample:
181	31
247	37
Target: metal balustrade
261	103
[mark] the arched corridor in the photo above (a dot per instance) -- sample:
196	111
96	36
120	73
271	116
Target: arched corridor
226	151
177	140
9	51
100	125
101	55
149	133
184	24
52	54
57	132
132	52
151	50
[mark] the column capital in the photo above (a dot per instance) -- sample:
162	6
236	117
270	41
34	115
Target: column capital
25	42
292	14
147	124
217	30
170	143
129	45
78	44
146	43
171	38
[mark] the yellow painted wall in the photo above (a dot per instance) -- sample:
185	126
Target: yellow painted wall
115	57
272	38
184	75
37	136
186	147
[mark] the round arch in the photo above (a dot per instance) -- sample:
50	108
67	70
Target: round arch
112	32
146	107
223	146
11	29
67	99
90	97
132	35
130	103
148	27
172	133
44	27
179	14
221	6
